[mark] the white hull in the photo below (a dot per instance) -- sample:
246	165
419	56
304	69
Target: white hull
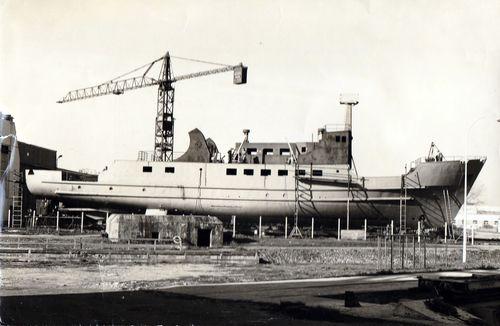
206	188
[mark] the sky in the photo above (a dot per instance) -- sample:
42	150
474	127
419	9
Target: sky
425	71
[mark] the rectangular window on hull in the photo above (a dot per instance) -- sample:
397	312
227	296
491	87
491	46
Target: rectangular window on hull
300	172
285	152
169	169
248	171
265	172
230	171
282	173
317	173
147	169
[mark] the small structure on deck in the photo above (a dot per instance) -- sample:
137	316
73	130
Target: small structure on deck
197	230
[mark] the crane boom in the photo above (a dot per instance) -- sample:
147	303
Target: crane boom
112	87
118	87
164	123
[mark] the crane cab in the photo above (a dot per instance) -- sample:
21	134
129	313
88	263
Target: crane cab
240	75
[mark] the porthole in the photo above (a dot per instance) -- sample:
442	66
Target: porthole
110	188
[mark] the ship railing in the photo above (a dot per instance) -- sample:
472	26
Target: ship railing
425	159
149	155
337	127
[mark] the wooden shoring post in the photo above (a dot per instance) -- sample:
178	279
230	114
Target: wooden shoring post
9	223
33	220
57	221
365	229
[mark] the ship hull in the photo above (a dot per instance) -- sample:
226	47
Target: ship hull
325	192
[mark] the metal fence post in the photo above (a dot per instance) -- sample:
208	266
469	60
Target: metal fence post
445	231
81	222
425	255
338	229
414	251
260	227
365	229
378	252
286	227
392	262
234	226
402	254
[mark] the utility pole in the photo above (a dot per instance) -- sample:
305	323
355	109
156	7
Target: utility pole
349	100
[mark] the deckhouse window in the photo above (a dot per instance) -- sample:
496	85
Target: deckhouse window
268	151
5	149
252	151
265	172
285	151
300	172
337	139
317	173
231	171
169	169
344	139
304	149
147	169
248	171
282	173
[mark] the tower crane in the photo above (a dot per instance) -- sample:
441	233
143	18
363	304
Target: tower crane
164	122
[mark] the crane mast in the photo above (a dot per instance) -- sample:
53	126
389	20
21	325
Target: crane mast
164	121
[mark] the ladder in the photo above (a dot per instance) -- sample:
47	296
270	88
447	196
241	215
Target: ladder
17	206
299	193
447	209
402	206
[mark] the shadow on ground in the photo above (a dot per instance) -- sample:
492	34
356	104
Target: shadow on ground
161	307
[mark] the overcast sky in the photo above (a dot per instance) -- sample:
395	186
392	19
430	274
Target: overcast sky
424	71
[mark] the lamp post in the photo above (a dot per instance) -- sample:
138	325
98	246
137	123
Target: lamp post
464	235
